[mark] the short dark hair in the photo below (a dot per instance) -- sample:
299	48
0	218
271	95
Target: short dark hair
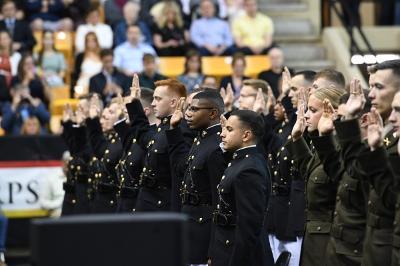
238	56
148	57
213	97
257	84
252	121
333	76
146	96
394	65
106	52
308	75
367	106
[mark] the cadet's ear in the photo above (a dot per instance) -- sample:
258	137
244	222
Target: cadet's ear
247	135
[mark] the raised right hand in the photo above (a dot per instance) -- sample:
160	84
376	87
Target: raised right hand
355	103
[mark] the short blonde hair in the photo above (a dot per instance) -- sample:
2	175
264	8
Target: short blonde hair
330	93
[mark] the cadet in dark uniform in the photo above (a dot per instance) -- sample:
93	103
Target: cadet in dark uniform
107	148
201	164
243	195
320	188
350	216
130	165
157	181
384	80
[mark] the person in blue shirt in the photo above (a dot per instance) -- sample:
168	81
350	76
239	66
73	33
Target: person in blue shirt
211	35
131	13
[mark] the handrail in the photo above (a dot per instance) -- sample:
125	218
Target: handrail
354	46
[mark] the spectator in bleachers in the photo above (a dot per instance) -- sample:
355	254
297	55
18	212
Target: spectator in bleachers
31	127
253	31
128	55
131	13
110	81
47	15
234	9
19	30
149	75
170	35
145	6
237	76
210	82
74	10
51	62
93	24
23	107
28	78
8	58
274	74
192	75
191	9
113	11
210	34
88	63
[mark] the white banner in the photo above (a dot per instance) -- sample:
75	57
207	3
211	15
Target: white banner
21	184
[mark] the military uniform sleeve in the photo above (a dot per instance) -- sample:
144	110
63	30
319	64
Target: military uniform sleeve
96	137
250	201
301	155
178	151
330	156
139	123
380	174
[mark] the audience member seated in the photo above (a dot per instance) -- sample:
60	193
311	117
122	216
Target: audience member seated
210	82
31	127
103	31
253	31
88	63
191	9
28	78
234	9
144	14
47	15
9	59
131	13
149	74
237	77
51	62
193	75
274	74
128	56
210	34
19	30
75	9
169	33
113	11
110	81
23	107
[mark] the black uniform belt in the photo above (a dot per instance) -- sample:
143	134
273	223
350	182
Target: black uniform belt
68	187
224	219
378	222
82	179
350	235
129	192
107	188
195	199
318	216
151	182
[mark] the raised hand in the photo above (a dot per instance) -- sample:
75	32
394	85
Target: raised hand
300	125
228	97
178	115
286	81
375	129
355	103
271	101
259	104
67	113
94	106
325	123
135	89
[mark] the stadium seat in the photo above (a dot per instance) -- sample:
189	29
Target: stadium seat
171	66
62	92
255	64
39	39
57	106
2	133
218	66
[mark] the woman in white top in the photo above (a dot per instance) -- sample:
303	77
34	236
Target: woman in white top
87	64
8	58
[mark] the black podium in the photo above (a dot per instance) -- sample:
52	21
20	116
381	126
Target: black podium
154	239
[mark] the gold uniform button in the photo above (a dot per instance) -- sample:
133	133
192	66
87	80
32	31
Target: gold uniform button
73	201
158	129
129	153
355	251
159	202
223	177
113	141
229	164
369	202
111	202
130	163
319	228
134	141
155	150
227	242
133	210
200	220
107	151
247	156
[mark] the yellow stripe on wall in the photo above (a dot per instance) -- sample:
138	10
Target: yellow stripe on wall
25	213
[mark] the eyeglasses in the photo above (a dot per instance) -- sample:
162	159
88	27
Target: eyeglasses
194	109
